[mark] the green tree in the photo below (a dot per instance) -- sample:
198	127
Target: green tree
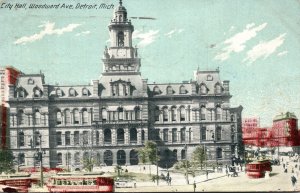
198	157
88	163
6	161
187	167
148	153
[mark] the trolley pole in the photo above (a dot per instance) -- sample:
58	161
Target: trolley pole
157	178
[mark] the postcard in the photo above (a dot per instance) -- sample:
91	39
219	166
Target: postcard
149	96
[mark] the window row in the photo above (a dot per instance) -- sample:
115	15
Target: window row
121	114
170	90
88	137
24	119
203	89
210	135
72	92
33	142
22	93
120	89
175	135
76	117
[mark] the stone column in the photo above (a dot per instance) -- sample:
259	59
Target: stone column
101	137
139	136
127	152
114	136
178	135
80	117
114	152
126	136
161	134
146	133
170	135
72	117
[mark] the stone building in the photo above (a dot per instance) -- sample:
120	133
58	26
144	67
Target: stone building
113	116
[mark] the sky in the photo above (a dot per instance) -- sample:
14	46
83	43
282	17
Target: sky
255	44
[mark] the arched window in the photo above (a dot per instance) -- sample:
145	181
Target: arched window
218	113
97	137
182	90
203	113
156	90
121	39
76	116
137	112
173	113
133	135
203	89
21	93
21	117
67	117
85	117
169	90
219	152
37	117
120	136
219	133
58	117
21	139
165	114
174	135
107	135
72	92
59	158
104	114
30	81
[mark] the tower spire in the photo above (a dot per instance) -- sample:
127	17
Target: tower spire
120	2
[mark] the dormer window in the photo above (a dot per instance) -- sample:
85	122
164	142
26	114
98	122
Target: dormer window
37	92
30	81
169	90
218	89
21	93
182	90
58	92
209	78
85	92
72	92
156	90
203	89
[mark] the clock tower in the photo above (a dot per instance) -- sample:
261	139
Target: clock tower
121	57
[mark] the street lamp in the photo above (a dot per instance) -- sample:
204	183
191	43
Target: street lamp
40	152
157	178
186	165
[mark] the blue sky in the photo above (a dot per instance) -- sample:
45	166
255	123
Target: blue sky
256	45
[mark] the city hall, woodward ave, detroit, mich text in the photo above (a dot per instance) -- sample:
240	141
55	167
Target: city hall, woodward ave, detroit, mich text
56	6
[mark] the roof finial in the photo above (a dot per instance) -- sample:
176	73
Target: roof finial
120	2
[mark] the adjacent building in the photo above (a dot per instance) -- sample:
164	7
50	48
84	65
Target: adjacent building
113	116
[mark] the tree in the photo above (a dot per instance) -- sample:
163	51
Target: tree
148	153
187	166
6	161
199	157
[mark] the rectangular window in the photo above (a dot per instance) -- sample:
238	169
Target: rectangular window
85	137
174	135
68	138
58	138
203	133
76	137
165	135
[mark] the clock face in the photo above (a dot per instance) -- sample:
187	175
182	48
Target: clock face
121	52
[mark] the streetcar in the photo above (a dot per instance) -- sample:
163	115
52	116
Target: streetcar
258	169
17	182
80	182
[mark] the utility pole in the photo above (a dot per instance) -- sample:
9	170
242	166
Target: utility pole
40	156
186	165
157	178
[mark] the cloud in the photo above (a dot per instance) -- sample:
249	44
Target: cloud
145	38
237	42
264	49
170	33
282	53
48	30
83	33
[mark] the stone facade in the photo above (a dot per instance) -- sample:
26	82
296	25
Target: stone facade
113	116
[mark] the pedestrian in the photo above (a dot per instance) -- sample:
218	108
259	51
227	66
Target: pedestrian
283	166
170	180
294	180
207	175
296	166
227	172
292	170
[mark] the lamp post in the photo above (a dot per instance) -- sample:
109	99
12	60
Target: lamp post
40	156
186	165
157	178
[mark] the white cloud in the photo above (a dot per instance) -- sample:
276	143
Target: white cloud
83	33
282	53
170	33
145	38
237	42
264	49
48	30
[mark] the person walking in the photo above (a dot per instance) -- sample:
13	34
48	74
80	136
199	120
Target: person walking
294	180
